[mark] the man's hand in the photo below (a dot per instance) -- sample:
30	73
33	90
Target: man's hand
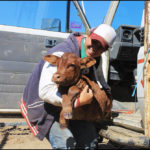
86	97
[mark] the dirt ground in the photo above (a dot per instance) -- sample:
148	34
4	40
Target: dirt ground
20	137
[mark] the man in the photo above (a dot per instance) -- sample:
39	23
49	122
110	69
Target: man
41	103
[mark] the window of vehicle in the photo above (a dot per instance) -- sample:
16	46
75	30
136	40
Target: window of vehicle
95	12
49	15
129	13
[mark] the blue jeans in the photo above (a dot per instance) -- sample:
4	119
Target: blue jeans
79	134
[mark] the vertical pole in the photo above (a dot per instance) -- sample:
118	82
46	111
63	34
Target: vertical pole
82	16
68	16
108	20
147	70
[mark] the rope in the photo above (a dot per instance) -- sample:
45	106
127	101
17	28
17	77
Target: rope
140	75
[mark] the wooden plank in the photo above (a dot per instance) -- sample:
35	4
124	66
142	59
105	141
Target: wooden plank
125	131
133	125
147	69
135	139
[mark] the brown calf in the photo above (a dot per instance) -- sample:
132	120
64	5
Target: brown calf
71	82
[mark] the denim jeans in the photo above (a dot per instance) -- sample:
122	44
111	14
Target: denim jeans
79	134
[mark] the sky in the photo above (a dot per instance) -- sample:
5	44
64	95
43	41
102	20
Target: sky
29	14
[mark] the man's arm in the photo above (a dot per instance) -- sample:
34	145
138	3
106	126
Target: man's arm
86	97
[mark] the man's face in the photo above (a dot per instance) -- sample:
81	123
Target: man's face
93	48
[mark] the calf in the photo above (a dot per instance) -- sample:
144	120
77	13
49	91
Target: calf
71	82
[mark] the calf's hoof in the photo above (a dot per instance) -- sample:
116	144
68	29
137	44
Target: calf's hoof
67	115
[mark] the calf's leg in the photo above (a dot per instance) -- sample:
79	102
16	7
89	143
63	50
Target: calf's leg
67	103
62	121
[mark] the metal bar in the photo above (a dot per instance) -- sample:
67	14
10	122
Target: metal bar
82	16
147	70
83	6
111	12
108	20
10	111
68	16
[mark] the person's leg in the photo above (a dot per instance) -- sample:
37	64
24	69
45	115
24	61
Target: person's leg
85	134
60	138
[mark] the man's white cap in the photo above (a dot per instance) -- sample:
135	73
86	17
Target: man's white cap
105	34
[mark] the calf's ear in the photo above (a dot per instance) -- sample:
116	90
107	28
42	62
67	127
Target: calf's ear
87	62
52	59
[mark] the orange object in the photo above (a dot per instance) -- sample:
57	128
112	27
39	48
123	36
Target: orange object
124	111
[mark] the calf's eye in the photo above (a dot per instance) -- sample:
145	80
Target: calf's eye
71	66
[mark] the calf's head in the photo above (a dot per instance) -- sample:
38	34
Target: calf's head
68	67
